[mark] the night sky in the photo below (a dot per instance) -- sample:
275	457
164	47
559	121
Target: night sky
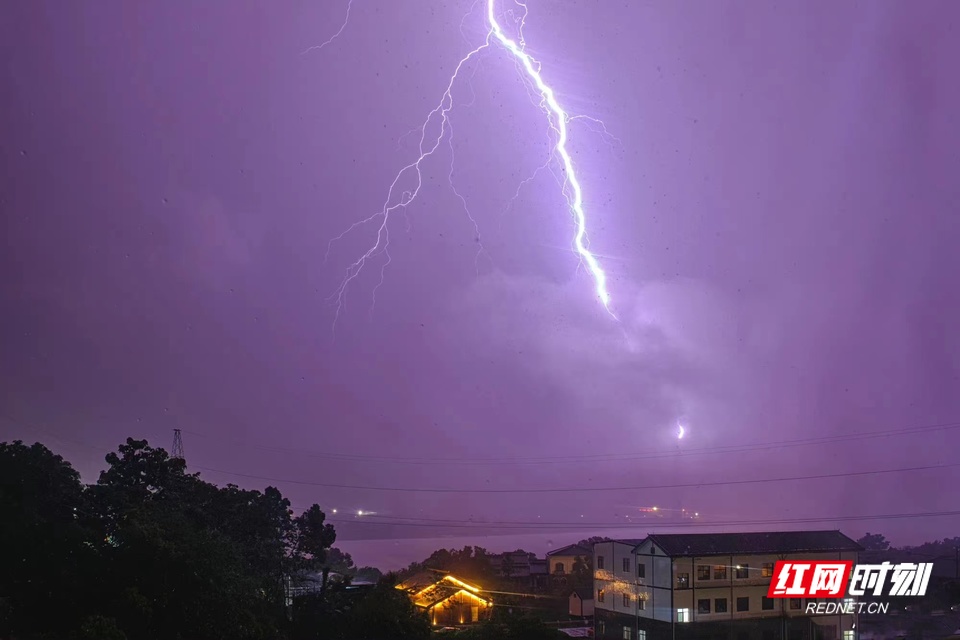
776	206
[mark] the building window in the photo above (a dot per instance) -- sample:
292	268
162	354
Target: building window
766	571
641	603
743	604
642	635
683	581
720	605
766	603
627	633
703	572
558	568
720	572
641	570
849	635
796	603
743	571
683	615
626	565
599	595
599	562
703	606
601	628
626	599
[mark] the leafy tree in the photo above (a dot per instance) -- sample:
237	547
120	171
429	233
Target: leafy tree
506	566
471	563
512	626
193	559
184	557
589	542
43	550
314	537
340	562
874	542
387	612
368	574
581	575
100	628
377	613
152	552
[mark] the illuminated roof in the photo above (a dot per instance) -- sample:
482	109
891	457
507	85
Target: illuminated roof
427	590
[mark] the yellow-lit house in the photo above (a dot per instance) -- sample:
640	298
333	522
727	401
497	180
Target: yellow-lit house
447	599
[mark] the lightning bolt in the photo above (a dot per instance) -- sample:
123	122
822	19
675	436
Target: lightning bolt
558	121
337	34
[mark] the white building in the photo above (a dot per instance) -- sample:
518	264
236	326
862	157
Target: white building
711	586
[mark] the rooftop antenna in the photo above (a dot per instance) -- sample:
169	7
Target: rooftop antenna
177	445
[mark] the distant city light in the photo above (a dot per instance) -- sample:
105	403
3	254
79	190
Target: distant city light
359	513
334	510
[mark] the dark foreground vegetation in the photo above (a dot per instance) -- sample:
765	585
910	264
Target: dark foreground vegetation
151	552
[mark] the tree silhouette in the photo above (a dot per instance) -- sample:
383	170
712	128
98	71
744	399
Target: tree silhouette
874	542
151	552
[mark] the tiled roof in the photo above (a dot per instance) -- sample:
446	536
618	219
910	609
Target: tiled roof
571	550
631	541
773	542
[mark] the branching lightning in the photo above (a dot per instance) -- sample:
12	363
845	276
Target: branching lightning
557	119
337	34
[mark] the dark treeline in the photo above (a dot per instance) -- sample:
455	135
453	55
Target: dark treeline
495	572
151	552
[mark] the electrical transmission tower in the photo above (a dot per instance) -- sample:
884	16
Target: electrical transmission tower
177	445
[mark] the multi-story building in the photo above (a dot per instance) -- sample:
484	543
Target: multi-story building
700	586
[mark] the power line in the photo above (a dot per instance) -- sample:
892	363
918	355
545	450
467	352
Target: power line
555	526
568	489
825	476
552	526
722	449
566	460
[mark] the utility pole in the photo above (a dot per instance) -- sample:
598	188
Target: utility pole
177	451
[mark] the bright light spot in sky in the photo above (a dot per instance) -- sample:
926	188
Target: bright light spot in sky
680	431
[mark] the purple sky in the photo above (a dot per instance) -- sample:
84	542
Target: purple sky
778	216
